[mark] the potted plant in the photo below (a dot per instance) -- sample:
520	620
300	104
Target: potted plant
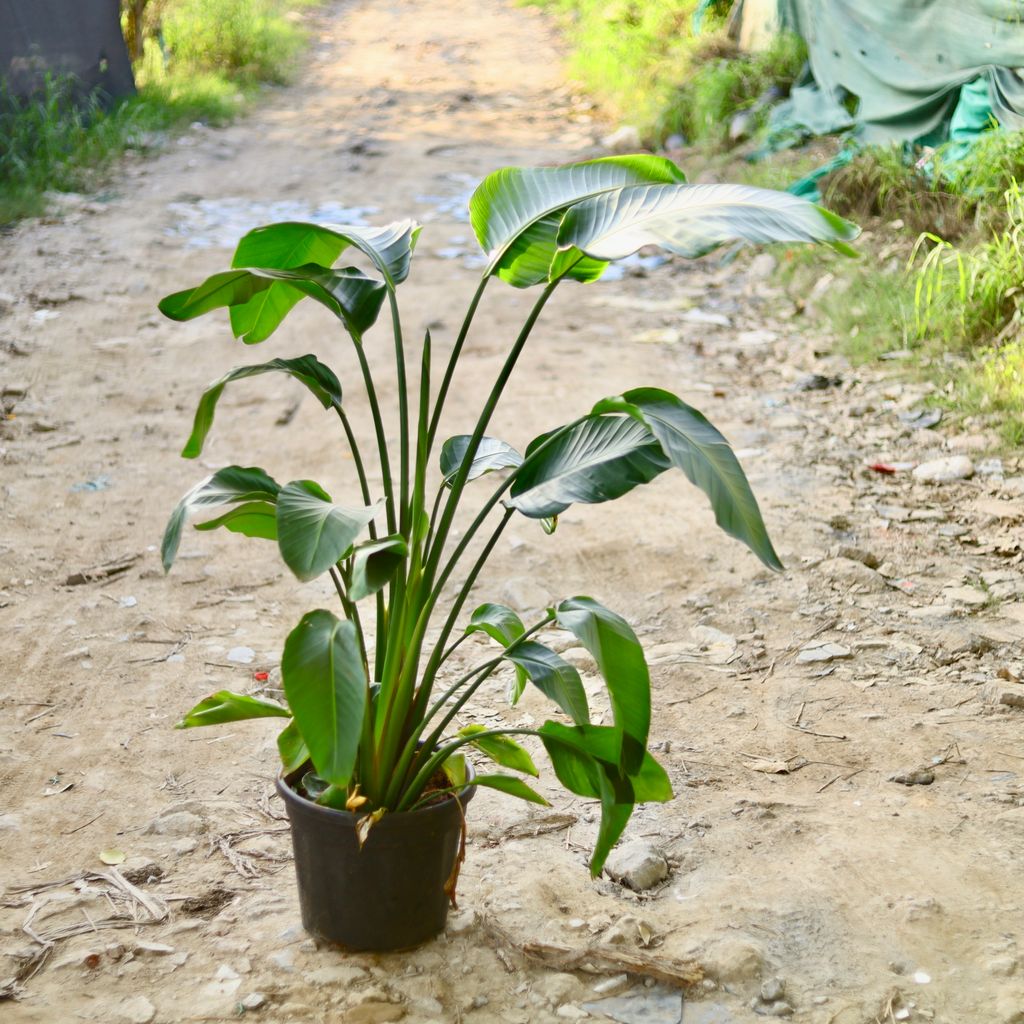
373	769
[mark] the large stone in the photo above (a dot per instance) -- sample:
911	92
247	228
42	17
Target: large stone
944	471
734	960
177	823
638	864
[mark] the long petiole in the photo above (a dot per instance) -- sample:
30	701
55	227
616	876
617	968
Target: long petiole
351	613
453	359
403	413
382	443
423	776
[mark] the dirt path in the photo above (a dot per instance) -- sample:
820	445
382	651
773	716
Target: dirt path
794	856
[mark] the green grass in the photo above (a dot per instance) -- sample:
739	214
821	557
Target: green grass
215	55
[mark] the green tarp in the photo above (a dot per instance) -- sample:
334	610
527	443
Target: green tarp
895	68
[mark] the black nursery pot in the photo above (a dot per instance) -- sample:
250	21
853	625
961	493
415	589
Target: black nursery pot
388	895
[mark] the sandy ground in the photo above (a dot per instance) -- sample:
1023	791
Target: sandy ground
794	856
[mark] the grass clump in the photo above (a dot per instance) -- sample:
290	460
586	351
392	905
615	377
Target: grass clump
202	60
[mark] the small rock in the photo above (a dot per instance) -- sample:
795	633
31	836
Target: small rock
9	823
762	265
241	655
253	1001
821	650
1002	966
772	990
374	1013
872	561
638	864
623	140
342	975
944	471
612	986
999	693
569	1011
850	573
137	1010
283	959
914	777
734	960
184	847
177	823
780	1008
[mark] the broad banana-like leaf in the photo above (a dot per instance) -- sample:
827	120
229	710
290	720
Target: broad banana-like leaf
511	785
691	220
620	659
553	676
491	454
502	750
320	380
704	455
374	562
349	294
325	684
225	706
312	532
597	459
251	519
584	759
228	486
292	748
516	212
292	244
498	621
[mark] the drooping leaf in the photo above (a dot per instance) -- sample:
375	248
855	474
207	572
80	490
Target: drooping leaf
511	785
313	532
515	212
227	486
690	220
498	621
596	747
314	786
324	681
553	676
491	454
501	750
225	706
252	519
374	563
348	293
704	455
597	459
292	748
620	659
293	243
320	380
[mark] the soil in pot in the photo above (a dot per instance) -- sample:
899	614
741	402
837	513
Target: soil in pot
390	894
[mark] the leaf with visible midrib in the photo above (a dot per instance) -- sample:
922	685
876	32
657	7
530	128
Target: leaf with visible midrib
691	220
326	687
312	532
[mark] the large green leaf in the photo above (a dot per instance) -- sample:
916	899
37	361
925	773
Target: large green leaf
491	454
293	243
595	460
515	212
324	681
620	658
374	562
251	519
227	486
498	621
320	380
512	786
691	220
553	676
313	532
501	750
348	293
704	455
225	706
584	759
292	748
